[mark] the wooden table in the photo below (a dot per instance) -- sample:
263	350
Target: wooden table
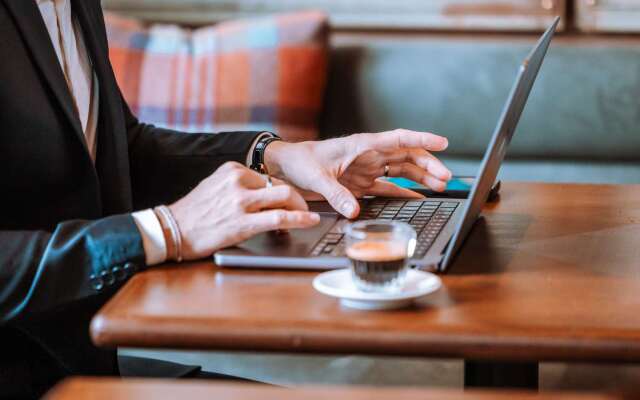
110	389
552	273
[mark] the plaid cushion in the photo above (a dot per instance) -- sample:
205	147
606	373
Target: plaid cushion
259	74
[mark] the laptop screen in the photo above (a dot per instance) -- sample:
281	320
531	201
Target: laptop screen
499	142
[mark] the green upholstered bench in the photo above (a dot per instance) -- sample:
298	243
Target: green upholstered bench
582	122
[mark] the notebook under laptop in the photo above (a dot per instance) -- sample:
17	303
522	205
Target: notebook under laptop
442	224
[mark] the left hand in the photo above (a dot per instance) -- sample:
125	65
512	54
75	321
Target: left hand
344	168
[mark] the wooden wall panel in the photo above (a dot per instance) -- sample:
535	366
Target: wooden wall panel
486	15
608	15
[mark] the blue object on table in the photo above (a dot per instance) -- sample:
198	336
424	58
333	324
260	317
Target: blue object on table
457	183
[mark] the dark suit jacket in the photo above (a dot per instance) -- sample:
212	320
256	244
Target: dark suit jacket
67	239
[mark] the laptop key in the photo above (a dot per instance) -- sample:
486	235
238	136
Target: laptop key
328	249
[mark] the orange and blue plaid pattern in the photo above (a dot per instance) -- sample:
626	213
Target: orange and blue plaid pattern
261	74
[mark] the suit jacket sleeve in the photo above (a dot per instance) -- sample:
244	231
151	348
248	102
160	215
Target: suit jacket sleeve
166	165
42	271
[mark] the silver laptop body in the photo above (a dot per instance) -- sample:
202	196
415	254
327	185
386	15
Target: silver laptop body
442	224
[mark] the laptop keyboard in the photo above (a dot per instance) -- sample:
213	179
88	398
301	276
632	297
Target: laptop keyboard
426	217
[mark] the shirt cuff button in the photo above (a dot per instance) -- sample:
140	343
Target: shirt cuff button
107	277
130	269
119	273
96	282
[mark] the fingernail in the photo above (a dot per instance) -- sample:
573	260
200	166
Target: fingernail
446	143
314	217
348	208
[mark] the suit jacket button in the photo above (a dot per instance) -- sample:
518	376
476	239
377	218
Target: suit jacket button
96	282
107	277
130	269
118	273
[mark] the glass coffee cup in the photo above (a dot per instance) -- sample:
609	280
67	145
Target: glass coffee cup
379	252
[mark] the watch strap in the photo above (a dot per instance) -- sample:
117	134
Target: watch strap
257	159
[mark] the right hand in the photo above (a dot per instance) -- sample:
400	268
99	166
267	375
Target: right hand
233	204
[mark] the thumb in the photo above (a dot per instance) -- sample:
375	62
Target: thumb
340	198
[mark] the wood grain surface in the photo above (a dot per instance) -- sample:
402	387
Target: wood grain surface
552	272
110	389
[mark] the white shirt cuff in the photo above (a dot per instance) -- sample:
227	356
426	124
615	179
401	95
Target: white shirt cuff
249	159
155	248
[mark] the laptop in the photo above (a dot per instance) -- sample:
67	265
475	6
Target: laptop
441	224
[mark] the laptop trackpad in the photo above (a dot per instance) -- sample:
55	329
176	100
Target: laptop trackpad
295	243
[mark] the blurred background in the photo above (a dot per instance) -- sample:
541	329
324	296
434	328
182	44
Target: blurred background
371	65
447	66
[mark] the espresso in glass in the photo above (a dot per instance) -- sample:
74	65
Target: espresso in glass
379	251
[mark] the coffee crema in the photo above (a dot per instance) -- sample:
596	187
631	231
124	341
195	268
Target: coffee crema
376	251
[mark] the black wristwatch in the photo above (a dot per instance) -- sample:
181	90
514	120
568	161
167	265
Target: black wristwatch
257	158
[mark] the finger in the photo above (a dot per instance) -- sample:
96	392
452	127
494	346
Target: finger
434	166
387	189
277	182
422	159
280	196
311	196
253	180
307	195
357	181
416	174
272	220
340	198
403	138
242	175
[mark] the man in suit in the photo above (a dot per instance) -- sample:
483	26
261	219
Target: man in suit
76	164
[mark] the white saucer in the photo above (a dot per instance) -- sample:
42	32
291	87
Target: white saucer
338	283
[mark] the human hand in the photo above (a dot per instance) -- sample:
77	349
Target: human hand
344	168
232	205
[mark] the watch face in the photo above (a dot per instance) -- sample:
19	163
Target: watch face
257	161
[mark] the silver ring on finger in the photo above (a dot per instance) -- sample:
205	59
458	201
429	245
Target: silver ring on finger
386	170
